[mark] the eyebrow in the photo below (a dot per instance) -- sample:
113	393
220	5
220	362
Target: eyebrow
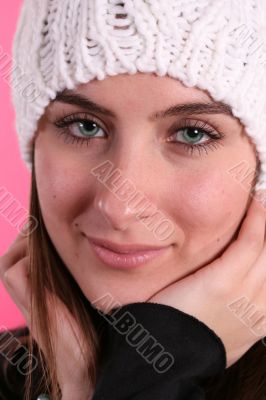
213	107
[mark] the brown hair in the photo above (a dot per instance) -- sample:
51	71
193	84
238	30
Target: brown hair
47	270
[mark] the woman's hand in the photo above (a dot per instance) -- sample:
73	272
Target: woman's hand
70	364
211	293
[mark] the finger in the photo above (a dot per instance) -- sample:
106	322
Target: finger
12	256
16	282
251	238
257	276
17	240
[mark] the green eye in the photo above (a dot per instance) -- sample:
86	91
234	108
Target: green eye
88	128
79	130
195	136
192	135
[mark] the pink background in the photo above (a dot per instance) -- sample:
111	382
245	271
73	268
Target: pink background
14	175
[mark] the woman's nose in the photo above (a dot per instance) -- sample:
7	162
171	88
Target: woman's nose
123	197
118	214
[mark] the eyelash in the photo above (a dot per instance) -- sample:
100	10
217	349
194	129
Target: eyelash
64	124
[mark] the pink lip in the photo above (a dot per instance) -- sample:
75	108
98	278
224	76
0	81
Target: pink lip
125	260
124	248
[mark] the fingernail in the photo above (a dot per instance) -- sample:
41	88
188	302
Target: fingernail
7	280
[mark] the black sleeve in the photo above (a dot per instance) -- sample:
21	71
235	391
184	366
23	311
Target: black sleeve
14	359
10	352
156	352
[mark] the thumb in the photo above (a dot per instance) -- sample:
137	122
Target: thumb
16	281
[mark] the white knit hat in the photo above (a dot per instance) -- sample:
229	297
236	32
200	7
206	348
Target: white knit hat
215	45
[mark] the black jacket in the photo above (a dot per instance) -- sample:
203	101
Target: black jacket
151	352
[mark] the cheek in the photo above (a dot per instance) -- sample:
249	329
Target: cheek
64	189
209	209
211	202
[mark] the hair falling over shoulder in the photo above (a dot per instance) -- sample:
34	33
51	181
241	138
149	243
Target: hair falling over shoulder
48	271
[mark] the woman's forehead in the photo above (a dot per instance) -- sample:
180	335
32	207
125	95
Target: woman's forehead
148	83
148	95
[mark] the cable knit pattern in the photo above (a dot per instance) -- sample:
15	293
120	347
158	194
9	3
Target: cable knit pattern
218	46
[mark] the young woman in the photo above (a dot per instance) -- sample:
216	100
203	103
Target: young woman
148	256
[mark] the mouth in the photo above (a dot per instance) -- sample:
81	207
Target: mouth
131	259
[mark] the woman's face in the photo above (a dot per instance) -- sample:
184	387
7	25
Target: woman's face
172	161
